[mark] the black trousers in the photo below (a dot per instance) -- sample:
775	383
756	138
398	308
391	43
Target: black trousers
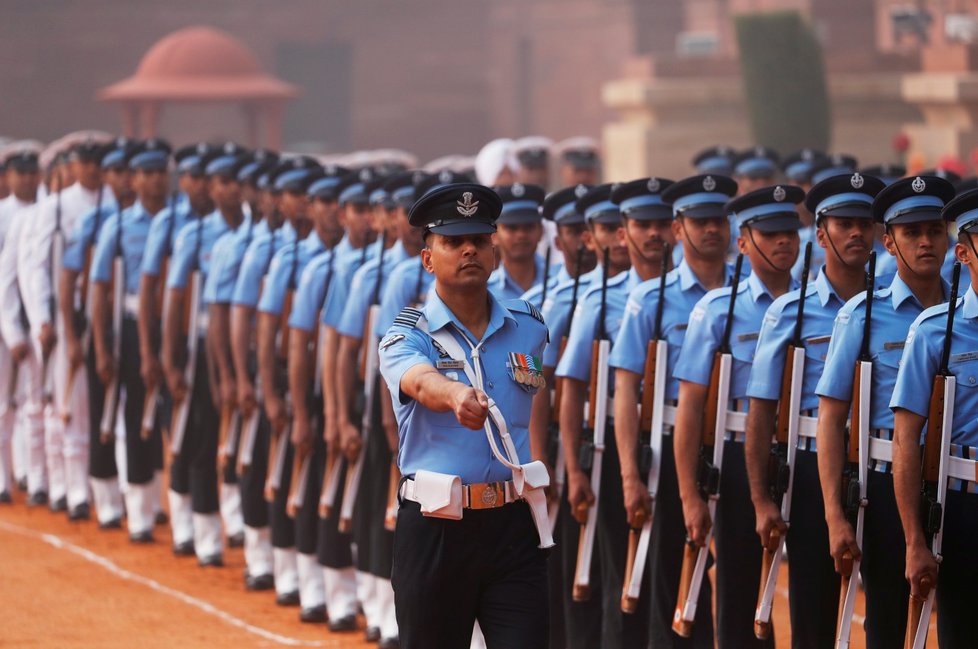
307	518
362	524
194	470
283	527
956	598
581	621
381	539
883	565
813	584
101	457
486	567
738	567
666	550
140	453
334	548
254	507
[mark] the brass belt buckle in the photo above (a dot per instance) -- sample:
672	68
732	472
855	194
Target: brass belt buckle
485	496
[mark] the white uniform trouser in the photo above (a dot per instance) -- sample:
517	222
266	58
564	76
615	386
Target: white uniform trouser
8	417
341	592
30	424
67	442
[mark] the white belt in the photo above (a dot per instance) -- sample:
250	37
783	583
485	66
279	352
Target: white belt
202	321
130	305
486	495
736	422
880	450
807	426
962	469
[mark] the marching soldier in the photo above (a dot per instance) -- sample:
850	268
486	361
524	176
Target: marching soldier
533	153
635	233
194	503
910	210
769	238
580	161
518	234
927	349
47	300
844	230
497	569
19	164
754	168
123	236
701	225
714	160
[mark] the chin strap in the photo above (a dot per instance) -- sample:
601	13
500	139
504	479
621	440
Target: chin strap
750	233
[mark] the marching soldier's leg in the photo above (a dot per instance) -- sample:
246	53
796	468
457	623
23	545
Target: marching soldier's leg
75	448
665	564
366	582
558	640
254	511
336	557
313	590
139	452
882	565
382	539
956	598
20	441
103	473
202	424
738	555
178	497
620	630
582	620
813	584
34	433
283	536
156	489
230	495
8	416
54	431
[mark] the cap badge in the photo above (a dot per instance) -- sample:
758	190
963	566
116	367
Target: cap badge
779	193
580	190
229	148
807	155
709	184
856	181
466	206
722	150
365	175
201	148
759	152
445	176
653	185
918	184
518	190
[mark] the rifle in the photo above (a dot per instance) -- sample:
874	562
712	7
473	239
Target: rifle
782	459
228	433
300	469
110	404
592	453
368	371
934	472
546	278
191	316
553	433
55	261
857	464
280	435
714	428
650	452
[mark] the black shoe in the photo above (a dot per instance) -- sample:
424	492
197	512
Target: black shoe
142	538
37	499
111	524
5	498
343	624
59	505
259	582
213	561
236	540
162	518
287	599
372	634
79	512
389	643
313	614
22	485
185	549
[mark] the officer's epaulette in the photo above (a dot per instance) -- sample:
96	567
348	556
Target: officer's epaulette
522	306
408	317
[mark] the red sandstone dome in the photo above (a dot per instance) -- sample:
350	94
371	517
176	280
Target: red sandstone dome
198	64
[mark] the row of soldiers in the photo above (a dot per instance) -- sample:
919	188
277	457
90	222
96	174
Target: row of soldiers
241	314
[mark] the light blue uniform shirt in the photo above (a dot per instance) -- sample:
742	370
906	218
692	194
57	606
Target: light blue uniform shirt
503	287
435	441
922	358
822	304
87	231
535	295
894	310
347	265
285	270
162	237
254	264
228	252
408	285
362	290
682	292
131	242
556	311
705	333
576	361
193	249
318	285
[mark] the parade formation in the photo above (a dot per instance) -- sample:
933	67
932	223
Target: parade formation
494	401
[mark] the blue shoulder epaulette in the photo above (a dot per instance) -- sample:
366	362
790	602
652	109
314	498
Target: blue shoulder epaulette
408	317
523	306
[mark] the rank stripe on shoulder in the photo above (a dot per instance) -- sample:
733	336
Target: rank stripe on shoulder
408	317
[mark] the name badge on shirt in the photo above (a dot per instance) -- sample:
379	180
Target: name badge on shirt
526	370
450	365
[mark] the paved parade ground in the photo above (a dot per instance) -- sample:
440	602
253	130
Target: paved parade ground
71	585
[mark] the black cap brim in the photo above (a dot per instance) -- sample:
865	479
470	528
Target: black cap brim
519	217
847	212
705	211
462	228
649	213
777	223
918	215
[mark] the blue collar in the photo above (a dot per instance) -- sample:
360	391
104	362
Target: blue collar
439	315
688	279
537	278
825	289
757	287
970	307
900	292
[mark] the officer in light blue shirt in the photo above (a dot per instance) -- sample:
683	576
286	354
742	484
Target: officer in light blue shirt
519	232
769	226
844	229
910	210
911	403
701	224
500	563
124	235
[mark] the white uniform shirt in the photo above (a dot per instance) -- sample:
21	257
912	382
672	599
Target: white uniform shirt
12	220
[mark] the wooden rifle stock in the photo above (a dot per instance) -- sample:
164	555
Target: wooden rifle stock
680	625
582	592
390	518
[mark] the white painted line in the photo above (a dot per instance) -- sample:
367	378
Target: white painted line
152	584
